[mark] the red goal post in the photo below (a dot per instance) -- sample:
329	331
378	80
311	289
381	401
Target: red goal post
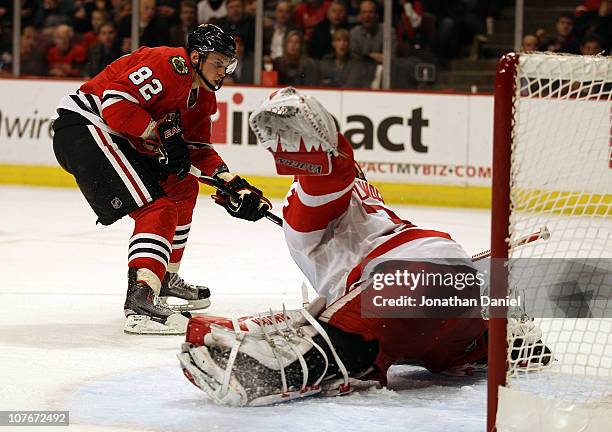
552	165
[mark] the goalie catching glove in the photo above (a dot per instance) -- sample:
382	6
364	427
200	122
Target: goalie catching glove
298	131
243	201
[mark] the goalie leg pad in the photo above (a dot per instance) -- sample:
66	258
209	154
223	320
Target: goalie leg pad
249	364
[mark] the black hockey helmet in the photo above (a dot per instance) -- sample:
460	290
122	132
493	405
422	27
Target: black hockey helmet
208	38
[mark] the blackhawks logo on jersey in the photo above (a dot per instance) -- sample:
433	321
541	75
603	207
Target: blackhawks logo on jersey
179	64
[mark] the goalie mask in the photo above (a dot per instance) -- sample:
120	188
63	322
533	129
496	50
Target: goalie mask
298	131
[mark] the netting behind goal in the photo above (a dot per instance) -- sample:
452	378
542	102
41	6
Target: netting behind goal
554	114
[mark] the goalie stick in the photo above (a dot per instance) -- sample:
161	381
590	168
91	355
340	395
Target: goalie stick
220	186
543	234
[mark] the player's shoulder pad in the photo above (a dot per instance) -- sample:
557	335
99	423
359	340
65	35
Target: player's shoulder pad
171	63
177	61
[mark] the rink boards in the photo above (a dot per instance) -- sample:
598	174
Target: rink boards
425	148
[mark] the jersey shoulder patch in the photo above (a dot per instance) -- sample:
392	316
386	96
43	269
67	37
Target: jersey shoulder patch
179	64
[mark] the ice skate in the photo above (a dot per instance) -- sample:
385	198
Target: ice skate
197	297
144	313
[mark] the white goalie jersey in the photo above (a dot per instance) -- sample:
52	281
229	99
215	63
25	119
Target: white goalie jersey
337	227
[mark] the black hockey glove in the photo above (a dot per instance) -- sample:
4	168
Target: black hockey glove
245	201
173	147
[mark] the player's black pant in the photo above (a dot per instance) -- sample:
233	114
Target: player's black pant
114	178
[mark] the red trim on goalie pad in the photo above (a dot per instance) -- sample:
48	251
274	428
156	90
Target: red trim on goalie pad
198	327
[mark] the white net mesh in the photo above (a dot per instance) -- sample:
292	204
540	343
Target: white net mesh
561	178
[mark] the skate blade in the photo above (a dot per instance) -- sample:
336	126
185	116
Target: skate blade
176	324
189	305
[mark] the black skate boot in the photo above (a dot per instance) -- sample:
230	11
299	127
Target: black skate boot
197	297
144	313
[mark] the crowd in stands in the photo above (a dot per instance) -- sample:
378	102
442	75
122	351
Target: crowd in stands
335	43
586	31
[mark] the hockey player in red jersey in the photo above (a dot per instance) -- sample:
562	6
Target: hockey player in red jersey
129	137
341	234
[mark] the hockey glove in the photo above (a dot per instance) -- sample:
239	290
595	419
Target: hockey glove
247	202
299	132
173	147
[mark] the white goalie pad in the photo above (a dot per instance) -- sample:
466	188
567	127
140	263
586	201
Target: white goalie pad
286	119
271	346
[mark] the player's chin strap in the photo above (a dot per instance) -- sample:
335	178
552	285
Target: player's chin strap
199	72
289	335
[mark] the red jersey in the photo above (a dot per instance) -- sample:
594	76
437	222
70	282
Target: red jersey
307	18
71	61
142	87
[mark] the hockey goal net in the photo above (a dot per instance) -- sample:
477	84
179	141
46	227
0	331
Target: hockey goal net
552	166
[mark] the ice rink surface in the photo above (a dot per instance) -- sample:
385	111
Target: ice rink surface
62	345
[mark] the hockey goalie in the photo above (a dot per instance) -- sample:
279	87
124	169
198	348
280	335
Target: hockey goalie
340	233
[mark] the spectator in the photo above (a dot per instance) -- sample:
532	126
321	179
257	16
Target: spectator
459	23
342	68
310	13
530	43
237	22
250	7
122	9
243	74
98	17
210	11
563	41
352	12
81	16
585	15
408	27
65	58
105	51
32	57
5	11
294	68
153	31
603	24
321	39
28	7
167	12
367	37
274	36
591	45
51	14
188	17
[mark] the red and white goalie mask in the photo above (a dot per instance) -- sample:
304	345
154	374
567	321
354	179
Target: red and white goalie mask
298	130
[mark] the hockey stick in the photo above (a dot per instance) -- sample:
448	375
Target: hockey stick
543	234
220	186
